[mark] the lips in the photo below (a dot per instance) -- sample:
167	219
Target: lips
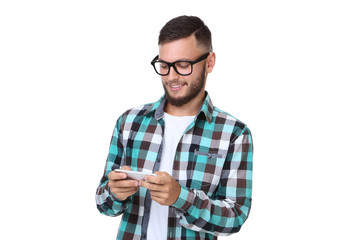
175	85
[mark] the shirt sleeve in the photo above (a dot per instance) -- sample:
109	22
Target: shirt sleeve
106	202
225	213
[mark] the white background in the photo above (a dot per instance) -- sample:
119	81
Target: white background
288	69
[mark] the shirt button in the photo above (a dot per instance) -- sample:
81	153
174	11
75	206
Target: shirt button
147	210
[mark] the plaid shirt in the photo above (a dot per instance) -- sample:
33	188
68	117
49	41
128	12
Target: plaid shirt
213	164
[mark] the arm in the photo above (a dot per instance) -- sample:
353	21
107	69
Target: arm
227	211
107	203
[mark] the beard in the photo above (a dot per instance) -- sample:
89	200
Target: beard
193	90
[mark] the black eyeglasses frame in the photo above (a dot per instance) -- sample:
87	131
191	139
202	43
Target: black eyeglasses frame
201	58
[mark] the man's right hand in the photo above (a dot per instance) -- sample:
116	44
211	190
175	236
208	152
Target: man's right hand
121	187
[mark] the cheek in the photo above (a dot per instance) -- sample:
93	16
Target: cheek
199	70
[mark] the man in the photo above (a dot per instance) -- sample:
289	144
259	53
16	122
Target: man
202	156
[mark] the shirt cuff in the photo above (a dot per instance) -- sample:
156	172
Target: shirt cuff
118	204
185	199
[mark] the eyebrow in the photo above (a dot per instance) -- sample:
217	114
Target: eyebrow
181	59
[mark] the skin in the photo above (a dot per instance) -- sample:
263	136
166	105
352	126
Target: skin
164	189
120	186
185	49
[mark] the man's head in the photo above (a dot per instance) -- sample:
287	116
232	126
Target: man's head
185	26
186	39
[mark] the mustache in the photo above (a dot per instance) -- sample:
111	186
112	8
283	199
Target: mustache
174	82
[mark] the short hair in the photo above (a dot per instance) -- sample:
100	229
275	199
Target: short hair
184	26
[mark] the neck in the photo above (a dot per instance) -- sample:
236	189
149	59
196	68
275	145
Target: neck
189	109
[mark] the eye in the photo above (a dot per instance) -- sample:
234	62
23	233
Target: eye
164	66
183	65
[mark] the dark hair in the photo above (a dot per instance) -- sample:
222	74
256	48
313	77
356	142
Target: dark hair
185	26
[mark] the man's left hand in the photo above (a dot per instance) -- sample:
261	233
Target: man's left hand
164	189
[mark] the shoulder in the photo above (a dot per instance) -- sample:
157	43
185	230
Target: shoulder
137	111
132	114
229	121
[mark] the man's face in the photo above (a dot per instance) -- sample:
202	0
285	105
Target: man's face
179	89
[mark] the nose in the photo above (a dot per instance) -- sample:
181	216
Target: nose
173	74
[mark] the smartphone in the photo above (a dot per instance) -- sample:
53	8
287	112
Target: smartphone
135	175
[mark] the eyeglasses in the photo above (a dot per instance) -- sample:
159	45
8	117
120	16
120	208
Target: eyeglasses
183	68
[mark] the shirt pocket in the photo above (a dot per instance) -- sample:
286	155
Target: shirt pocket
204	171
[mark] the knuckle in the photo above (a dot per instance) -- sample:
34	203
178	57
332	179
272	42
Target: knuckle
110	175
119	184
126	168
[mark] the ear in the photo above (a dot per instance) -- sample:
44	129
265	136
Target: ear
210	62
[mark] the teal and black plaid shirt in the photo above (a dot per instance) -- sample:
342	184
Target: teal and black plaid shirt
213	164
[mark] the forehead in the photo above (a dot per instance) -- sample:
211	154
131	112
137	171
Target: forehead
181	49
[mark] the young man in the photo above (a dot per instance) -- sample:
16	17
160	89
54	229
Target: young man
202	156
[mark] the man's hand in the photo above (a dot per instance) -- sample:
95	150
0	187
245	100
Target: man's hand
164	189
120	187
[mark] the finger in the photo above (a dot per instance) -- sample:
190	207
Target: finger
125	195
145	184
161	178
126	168
124	190
161	174
123	184
117	176
132	192
150	186
153	179
160	201
126	183
159	194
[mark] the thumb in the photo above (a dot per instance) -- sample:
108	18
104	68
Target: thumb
126	168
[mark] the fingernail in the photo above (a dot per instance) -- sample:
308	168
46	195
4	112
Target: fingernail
136	183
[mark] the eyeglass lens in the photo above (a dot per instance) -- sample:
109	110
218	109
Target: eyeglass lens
183	68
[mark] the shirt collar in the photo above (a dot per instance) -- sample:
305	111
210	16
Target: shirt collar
207	108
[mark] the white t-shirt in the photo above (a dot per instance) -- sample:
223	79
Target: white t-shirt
174	130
